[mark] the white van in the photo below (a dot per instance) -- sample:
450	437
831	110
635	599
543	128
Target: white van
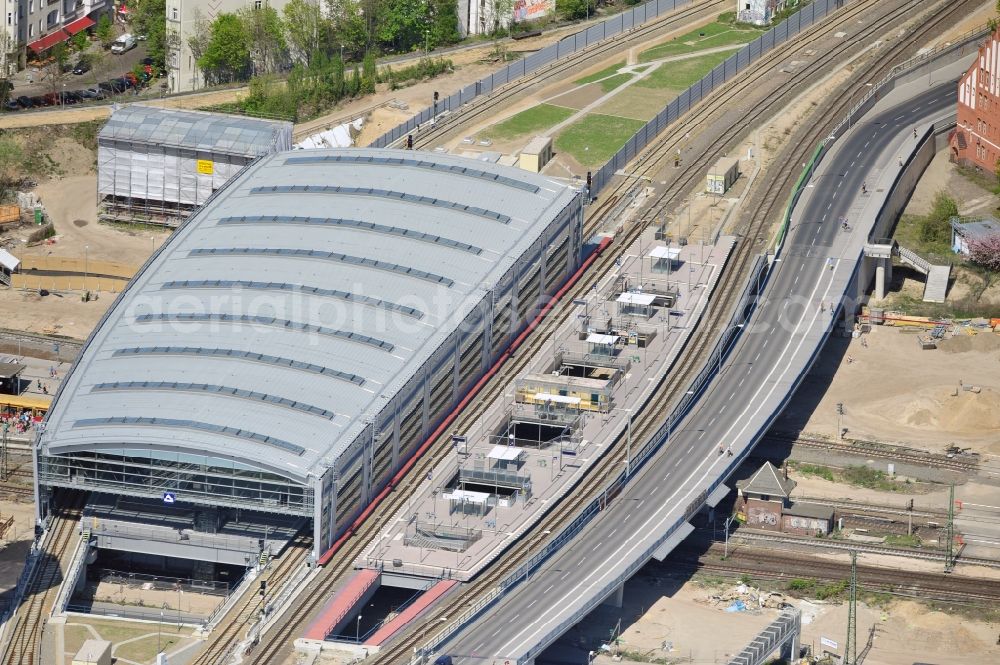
123	43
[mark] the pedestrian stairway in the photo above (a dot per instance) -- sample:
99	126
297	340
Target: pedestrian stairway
935	276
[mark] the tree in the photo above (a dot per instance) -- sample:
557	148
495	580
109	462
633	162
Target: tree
985	252
499	16
354	89
338	78
935	227
368	74
226	54
575	9
105	31
350	25
305	29
149	18
57	69
444	22
79	41
265	37
401	24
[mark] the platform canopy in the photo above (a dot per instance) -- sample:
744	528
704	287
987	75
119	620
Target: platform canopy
505	453
467	496
601	338
671	253
644	299
560	399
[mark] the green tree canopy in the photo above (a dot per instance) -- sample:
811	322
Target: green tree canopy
227	51
150	18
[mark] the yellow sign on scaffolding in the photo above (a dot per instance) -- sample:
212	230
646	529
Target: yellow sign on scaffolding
205	167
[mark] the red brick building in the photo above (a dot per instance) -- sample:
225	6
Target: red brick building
763	502
975	141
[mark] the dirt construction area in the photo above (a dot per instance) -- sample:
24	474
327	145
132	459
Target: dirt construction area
894	391
665	622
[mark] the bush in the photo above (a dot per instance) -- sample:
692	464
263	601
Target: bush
831	590
815	470
801	585
41	233
935	226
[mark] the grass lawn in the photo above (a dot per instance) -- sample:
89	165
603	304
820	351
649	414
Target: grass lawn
144	650
712	35
609	84
604	73
530	121
74	637
594	138
680	75
638	103
731	38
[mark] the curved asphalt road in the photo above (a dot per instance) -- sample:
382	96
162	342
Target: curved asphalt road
785	330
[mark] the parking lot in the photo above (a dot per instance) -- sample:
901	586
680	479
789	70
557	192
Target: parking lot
109	77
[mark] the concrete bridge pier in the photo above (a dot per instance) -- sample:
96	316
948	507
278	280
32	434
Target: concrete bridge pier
617	597
791	648
883	276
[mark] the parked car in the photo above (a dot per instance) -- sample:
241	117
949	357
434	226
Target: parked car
82	67
123	43
40	100
91	93
25	102
147	61
108	88
72	97
12	105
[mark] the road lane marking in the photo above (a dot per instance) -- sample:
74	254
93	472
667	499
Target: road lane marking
620	553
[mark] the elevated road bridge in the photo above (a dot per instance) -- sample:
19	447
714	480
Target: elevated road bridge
818	265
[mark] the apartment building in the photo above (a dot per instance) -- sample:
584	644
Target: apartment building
36	26
976	139
183	20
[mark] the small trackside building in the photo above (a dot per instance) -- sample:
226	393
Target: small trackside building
300	335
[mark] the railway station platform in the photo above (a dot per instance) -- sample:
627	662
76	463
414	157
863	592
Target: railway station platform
230	537
558	419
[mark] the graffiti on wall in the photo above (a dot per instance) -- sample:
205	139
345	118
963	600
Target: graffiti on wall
762	517
526	10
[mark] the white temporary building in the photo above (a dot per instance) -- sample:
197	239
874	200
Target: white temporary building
158	164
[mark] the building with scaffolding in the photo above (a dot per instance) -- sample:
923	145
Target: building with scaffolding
299	336
157	165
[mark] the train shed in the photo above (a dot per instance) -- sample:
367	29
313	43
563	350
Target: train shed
296	340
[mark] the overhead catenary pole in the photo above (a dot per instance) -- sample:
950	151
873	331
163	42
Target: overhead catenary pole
851	647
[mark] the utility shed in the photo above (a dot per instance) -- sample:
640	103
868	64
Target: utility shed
93	652
536	154
722	176
157	165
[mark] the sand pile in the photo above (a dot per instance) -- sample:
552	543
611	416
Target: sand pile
936	408
962	343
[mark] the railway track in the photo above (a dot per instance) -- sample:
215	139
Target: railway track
882	451
765	564
828	544
249	608
24	643
487	105
653	159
